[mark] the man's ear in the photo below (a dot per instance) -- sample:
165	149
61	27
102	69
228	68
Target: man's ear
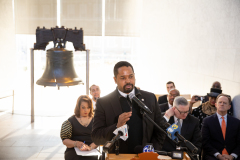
115	79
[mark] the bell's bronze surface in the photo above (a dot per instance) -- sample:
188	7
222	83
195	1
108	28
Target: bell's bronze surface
59	69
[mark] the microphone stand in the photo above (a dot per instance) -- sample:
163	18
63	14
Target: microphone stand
117	147
155	124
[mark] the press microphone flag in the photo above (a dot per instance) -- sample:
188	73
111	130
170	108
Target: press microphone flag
171	130
124	130
121	132
140	103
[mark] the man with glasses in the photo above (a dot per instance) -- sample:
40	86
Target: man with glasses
188	124
171	95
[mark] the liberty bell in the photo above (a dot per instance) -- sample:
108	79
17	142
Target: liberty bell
59	69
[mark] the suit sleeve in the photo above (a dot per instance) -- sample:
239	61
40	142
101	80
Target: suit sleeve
237	149
197	137
158	136
101	133
159	100
207	147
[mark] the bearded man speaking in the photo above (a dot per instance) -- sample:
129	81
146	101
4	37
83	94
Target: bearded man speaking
117	109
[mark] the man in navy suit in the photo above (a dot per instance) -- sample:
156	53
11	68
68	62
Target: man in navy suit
221	133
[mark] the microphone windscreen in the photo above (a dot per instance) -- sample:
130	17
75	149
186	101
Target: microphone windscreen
138	149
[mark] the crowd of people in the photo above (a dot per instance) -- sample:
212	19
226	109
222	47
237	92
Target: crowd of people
211	126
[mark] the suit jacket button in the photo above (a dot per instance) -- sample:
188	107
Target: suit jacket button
225	146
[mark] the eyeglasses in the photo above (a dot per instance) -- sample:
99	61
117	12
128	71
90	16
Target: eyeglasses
182	112
172	95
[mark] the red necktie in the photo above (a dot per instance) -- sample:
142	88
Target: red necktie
224	151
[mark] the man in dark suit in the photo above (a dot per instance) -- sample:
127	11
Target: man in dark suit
163	99
116	110
221	133
171	95
189	125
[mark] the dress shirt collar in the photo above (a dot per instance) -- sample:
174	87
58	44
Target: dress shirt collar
125	94
220	116
220	119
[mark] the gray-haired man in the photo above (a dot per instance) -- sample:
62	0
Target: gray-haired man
189	125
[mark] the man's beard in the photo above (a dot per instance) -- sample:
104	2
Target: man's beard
127	90
95	98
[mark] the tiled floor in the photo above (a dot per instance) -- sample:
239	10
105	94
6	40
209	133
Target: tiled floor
22	140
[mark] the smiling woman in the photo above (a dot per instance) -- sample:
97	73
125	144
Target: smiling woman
76	131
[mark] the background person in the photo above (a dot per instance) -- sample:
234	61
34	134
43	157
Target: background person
163	99
95	93
77	130
220	133
171	95
179	114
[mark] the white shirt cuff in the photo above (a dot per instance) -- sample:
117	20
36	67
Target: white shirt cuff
166	118
234	155
216	154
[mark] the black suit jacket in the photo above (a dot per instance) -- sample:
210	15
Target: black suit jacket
162	99
107	111
213	141
164	107
190	131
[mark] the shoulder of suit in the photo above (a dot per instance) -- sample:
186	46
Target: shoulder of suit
233	118
163	96
109	96
146	93
210	118
193	118
163	104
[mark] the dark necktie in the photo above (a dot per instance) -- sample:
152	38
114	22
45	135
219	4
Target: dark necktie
129	102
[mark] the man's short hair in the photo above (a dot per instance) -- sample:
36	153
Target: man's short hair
174	89
180	101
92	86
119	65
224	95
170	82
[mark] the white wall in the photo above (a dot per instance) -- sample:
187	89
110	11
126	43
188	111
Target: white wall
7	46
192	43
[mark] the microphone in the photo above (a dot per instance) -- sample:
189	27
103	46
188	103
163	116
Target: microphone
108	145
172	132
140	103
147	148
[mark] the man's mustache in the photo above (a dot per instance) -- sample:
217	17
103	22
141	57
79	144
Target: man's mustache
128	84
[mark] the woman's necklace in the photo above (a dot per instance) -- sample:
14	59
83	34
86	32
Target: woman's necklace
86	123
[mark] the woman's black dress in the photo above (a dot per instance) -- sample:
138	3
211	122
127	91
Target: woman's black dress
72	129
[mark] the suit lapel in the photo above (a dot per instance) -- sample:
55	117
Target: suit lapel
171	120
185	126
217	126
229	126
117	109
